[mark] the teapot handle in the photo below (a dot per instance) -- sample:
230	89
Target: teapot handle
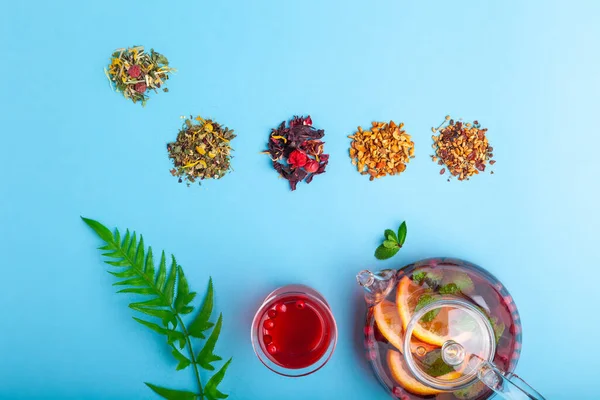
507	385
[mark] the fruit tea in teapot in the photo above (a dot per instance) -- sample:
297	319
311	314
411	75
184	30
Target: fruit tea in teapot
443	329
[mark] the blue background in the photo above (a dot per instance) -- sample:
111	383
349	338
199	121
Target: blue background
529	71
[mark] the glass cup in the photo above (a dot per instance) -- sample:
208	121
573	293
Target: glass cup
293	332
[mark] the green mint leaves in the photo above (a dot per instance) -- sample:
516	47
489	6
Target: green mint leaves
167	298
423	301
392	243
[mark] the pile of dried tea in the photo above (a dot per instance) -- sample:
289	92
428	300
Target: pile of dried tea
383	150
202	150
462	148
134	72
297	151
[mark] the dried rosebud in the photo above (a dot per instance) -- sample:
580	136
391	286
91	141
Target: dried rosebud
140	87
297	159
311	166
134	71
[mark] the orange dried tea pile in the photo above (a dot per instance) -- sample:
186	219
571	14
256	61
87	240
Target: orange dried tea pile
383	150
462	148
134	72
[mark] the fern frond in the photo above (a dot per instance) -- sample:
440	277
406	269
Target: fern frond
168	296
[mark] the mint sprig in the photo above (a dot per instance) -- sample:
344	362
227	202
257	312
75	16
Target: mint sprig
391	243
168	298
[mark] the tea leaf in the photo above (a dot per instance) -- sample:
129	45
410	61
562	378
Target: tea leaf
390	235
402	233
171	394
383	253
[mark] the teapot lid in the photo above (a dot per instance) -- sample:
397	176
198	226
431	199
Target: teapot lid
465	335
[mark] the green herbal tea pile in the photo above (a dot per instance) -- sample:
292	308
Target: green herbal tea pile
385	149
202	150
462	148
134	72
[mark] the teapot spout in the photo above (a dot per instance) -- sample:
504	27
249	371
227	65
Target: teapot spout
376	285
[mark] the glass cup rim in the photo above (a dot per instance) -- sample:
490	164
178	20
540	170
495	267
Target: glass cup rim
268	301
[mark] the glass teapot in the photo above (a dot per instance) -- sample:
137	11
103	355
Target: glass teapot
443	328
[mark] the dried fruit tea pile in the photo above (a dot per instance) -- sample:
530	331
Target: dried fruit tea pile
297	151
383	150
202	150
134	72
463	148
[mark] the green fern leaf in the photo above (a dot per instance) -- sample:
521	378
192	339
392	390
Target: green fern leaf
210	390
187	309
206	355
170	297
132	246
119	263
165	316
201	323
126	239
155	302
161	276
184	297
137	290
139	254
169	288
100	229
156	328
184	362
117	237
149	266
127	273
171	394
131	282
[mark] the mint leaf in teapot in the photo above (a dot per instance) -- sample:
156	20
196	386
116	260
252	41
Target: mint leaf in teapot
463	282
419	276
435	365
470	392
391	243
450	288
423	301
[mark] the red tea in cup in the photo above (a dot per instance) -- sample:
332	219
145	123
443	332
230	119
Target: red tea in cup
294	332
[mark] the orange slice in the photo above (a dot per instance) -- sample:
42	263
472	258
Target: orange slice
407	296
389	322
390	325
402	375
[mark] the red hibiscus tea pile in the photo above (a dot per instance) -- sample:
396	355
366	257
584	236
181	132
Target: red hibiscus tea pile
296	150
